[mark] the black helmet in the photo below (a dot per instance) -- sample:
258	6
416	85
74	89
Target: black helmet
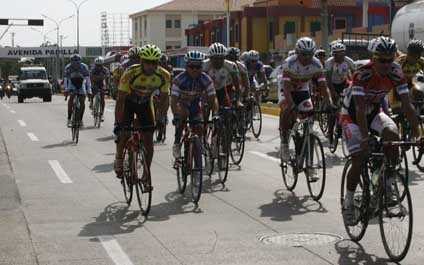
415	47
233	51
385	45
163	58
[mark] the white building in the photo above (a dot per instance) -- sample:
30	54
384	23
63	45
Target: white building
165	25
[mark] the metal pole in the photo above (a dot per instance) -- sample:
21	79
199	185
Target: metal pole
365	14
78	30
324	23
13	39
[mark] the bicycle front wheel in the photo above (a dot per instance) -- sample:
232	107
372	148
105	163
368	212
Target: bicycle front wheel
289	168
396	219
256	119
315	168
97	114
127	184
361	201
196	169
237	141
144	182
416	151
223	154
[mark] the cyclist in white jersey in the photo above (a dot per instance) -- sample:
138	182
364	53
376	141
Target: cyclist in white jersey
233	55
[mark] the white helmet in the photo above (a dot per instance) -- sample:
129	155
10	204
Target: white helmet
305	44
134	51
291	53
371	45
418	81
338	47
253	55
243	56
99	61
217	49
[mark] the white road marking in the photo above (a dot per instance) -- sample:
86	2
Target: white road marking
33	137
12	111
265	156
115	251
60	173
22	123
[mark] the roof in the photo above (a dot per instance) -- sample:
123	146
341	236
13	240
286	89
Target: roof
200	5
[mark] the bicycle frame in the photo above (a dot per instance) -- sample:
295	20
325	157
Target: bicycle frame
306	126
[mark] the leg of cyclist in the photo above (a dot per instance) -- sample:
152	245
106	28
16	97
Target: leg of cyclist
123	136
332	117
102	103
70	107
180	115
82	109
286	122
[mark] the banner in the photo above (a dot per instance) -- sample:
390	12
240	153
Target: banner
48	52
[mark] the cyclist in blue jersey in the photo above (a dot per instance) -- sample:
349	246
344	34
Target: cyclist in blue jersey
256	70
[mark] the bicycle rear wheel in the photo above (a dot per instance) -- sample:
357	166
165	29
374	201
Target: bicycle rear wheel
207	152
223	154
237	141
396	221
143	187
126	182
361	201
196	169
315	168
416	151
256	119
97	114
181	169
336	136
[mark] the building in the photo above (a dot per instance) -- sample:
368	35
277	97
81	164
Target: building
277	24
165	25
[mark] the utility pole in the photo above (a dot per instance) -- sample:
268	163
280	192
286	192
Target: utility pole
77	6
13	39
365	14
324	23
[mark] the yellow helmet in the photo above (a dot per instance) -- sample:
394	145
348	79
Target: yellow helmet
150	52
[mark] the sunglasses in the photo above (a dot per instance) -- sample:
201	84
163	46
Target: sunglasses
194	67
150	62
307	54
385	60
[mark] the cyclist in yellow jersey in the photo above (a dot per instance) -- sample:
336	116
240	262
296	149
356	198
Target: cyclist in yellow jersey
135	96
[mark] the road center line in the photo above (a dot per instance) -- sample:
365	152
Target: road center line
12	111
115	251
60	173
33	137
265	156
22	123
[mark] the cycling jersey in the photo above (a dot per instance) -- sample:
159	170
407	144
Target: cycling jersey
366	82
99	76
222	77
135	80
299	75
339	71
410	70
77	78
253	69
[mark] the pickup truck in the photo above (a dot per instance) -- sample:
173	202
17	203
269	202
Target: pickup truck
33	82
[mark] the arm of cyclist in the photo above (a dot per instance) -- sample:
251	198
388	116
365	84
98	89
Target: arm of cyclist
361	119
164	96
322	86
410	113
288	88
329	77
124	89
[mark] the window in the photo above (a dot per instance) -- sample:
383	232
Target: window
135	26
177	23
200	22
315	26
168	24
177	47
168	47
340	23
289	27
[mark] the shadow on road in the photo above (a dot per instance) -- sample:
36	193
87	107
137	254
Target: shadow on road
103	168
286	204
105	139
61	144
115	219
175	204
352	253
213	184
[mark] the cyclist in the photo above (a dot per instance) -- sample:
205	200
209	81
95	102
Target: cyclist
224	74
362	113
298	72
233	55
256	71
100	81
77	80
339	69
116	73
321	55
164	63
189	89
137	85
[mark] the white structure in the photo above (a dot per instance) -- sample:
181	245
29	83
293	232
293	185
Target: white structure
165	25
115	29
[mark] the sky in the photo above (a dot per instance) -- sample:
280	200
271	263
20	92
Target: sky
60	9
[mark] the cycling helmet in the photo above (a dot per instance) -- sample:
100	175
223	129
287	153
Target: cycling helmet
338	47
253	55
150	52
99	61
133	52
123	58
217	49
243	56
305	44
194	57
320	52
385	46
233	51
415	47
163	58
75	58
291	53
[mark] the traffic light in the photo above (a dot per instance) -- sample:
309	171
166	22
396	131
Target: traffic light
4	21
35	22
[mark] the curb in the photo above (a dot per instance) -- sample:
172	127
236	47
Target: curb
270	110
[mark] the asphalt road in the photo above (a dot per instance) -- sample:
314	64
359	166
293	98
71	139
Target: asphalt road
60	203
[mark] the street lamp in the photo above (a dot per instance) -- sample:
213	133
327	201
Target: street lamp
57	38
77	6
44	34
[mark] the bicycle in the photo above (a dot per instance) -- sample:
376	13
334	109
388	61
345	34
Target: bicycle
253	116
190	164
135	167
372	199
306	154
75	118
338	132
96	111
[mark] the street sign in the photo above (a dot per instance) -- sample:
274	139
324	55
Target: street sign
35	22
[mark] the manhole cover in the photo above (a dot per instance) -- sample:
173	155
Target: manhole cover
300	239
